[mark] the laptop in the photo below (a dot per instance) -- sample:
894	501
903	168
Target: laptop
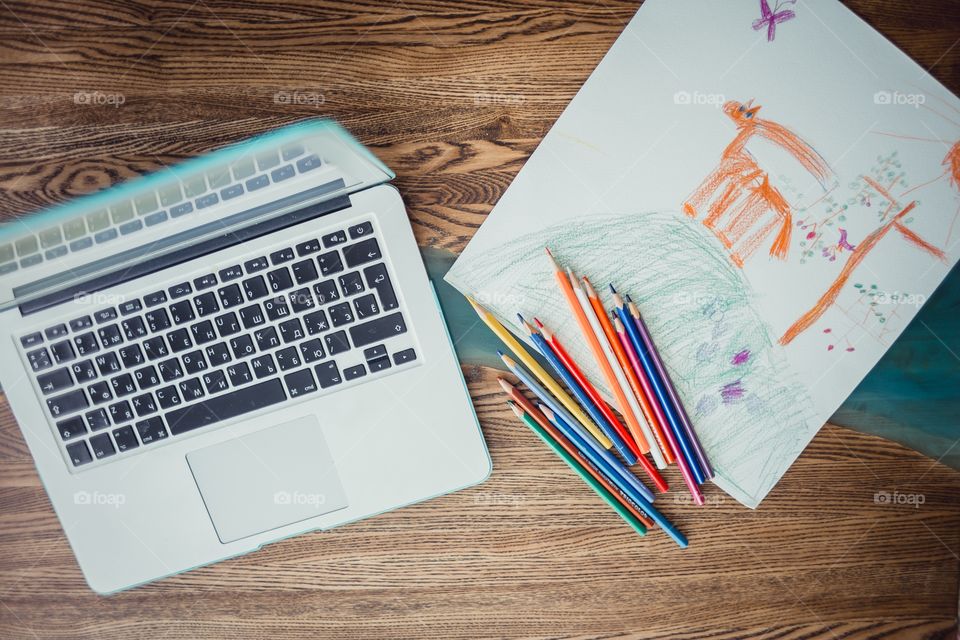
229	352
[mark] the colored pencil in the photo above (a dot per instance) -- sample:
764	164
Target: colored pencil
600	456
565	376
655	428
686	471
670	388
591	339
524	356
639	421
585	384
521	400
635	523
650	510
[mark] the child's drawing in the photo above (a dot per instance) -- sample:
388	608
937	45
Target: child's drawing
770	19
749	209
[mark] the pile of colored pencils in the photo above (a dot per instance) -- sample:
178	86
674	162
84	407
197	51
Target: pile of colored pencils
578	424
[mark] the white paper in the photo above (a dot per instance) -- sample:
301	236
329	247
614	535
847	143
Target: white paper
849	134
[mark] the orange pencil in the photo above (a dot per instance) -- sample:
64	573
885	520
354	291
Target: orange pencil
552	431
656	428
594	343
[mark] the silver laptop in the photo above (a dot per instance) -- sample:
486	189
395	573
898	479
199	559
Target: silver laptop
228	352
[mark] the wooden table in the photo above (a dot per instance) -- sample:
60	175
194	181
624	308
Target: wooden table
454	98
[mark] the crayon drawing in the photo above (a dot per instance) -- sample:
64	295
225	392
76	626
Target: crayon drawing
748	209
791	243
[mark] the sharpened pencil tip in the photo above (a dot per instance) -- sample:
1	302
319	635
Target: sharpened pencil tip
517	411
547	411
612	289
500	353
627	298
537	321
505	384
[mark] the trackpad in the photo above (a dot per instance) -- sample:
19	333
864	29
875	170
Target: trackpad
268	479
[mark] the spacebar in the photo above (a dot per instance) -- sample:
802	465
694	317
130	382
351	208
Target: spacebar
230	405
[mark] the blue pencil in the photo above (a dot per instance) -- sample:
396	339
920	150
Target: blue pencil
578	392
589	446
657	517
673	418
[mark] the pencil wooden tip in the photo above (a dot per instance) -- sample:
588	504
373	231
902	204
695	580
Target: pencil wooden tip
613	290
507	360
537	321
505	384
626	297
616	322
588	286
516	410
526	325
617	299
547	411
553	261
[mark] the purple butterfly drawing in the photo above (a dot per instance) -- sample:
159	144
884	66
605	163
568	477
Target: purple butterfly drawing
770	19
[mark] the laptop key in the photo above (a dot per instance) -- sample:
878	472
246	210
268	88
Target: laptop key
282	173
255	287
67	403
258	182
308	246
217	354
151	430
327	374
194	362
337	343
131	355
263	366
147	377
79	453
378	279
79	324
180	290
266	338
326	291
312	350
242	346
179	340
366	306
62	351
280	279
97	419
55	381
277	308
378	329
100	392
110	335
252	316
102	446
361	230
130	306
206	303
330	263
288	358
157	320
71	428
352	373
170	369
39	359
291	330
155	348
230	296
257	264
281	256
351	283
191	389
123	385
300	383
31	339
333	239
226	406
83	371
341	314
230	273
379	364
205	282
134	328
304	271
125	438
86	343
121	412
362	252
307	164
227	324
316	322
215	382
181	312
56	331
239	374
107	363
144	405
105	315
371	353
203	332
405	356
168	397
155	298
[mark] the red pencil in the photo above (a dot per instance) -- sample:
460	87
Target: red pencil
594	395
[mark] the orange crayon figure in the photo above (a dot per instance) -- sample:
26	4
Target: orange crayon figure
742	208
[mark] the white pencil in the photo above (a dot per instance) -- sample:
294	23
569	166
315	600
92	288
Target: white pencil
617	371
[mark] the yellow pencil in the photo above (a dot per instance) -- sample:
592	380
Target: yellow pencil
545	378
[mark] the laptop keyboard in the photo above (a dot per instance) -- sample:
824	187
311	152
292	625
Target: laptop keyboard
269	329
155	207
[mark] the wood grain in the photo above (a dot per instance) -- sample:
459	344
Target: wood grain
454	97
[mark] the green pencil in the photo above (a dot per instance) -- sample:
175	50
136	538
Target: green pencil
607	497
